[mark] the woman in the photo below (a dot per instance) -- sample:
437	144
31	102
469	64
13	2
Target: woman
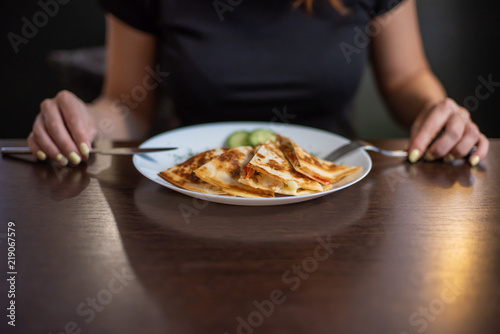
258	60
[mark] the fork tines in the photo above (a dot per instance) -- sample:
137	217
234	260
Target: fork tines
343	150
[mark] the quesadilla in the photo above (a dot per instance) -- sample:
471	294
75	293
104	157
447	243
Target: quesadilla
183	175
270	169
225	170
325	172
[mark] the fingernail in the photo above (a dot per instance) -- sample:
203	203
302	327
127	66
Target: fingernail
414	156
428	157
62	160
474	161
41	155
449	158
74	158
84	149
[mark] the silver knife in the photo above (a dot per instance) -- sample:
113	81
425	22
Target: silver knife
107	151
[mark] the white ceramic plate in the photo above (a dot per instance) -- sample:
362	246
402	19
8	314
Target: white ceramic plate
198	138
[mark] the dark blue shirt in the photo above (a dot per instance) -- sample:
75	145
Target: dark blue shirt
259	59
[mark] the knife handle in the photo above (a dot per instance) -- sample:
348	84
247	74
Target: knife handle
15	150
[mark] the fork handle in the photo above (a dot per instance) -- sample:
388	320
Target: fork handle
394	153
15	150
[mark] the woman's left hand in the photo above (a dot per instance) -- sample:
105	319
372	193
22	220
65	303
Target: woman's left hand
459	135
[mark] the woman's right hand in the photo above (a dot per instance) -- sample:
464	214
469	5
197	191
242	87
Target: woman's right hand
63	130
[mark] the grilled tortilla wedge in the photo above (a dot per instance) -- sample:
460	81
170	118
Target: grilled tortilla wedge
325	172
183	175
270	169
225	170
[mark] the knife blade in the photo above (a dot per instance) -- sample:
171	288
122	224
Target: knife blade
106	151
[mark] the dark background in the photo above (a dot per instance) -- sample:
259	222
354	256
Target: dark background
462	40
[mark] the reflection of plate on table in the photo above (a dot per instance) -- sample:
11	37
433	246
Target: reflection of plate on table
198	138
201	220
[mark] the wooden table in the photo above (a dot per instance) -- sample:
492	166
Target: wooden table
101	249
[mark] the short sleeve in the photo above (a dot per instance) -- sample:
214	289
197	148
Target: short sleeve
139	14
384	6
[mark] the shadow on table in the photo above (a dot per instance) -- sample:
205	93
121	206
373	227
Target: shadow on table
61	183
56	182
214	268
439	174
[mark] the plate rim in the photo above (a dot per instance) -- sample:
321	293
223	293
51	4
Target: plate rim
243	201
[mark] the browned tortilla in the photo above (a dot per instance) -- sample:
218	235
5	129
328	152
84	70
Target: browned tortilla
183	174
225	170
325	172
275	172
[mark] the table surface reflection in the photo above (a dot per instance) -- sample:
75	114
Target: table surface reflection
101	249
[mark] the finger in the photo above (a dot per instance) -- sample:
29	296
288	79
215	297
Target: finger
421	118
35	149
466	144
42	139
452	134
56	129
417	124
431	126
73	114
483	146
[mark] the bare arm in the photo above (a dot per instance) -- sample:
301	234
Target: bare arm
415	97
123	111
401	68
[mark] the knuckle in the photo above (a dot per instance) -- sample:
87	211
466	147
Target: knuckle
461	151
454	133
474	129
438	108
65	96
439	152
38	120
483	141
37	131
52	125
72	118
419	141
475	133
449	103
414	130
465	113
45	104
80	134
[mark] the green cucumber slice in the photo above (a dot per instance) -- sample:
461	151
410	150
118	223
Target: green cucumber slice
260	136
237	139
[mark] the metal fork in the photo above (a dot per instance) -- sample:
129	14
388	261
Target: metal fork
343	150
